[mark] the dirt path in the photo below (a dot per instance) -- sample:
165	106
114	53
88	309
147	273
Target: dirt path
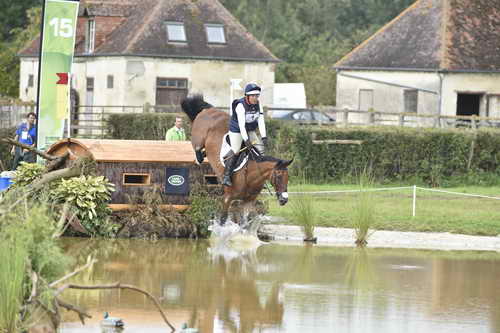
394	239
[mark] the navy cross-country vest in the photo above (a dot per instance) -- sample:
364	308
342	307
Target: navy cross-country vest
252	113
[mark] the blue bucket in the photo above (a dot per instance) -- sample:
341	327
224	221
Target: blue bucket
5	183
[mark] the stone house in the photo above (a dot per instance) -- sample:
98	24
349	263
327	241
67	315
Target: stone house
437	57
148	51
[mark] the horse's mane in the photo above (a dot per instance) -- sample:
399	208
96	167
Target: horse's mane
193	105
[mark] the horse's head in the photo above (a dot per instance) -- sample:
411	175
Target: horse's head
279	180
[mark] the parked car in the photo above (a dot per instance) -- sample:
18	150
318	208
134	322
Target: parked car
303	116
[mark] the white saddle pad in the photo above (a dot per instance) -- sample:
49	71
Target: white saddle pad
225	148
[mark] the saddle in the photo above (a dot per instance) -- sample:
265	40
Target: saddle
226	148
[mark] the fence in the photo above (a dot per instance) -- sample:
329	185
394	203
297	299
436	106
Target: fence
12	113
347	117
90	121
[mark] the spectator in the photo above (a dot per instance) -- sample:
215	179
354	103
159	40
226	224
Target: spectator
26	134
176	133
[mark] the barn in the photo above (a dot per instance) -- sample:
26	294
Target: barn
138	166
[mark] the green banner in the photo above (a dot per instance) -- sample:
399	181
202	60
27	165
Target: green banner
57	48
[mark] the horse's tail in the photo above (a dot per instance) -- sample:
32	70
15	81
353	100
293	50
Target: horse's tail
193	105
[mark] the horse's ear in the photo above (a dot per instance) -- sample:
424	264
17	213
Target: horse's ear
284	164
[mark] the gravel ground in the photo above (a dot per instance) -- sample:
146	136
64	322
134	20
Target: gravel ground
394	239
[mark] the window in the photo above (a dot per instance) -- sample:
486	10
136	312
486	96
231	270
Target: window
176	32
171	83
411	100
215	33
110	82
30	80
90	36
135	179
211	180
170	91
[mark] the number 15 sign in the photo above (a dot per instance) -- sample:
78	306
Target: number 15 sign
57	48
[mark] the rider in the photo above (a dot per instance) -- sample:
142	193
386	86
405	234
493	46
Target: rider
246	117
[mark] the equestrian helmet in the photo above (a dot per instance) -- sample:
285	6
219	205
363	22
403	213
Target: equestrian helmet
252	89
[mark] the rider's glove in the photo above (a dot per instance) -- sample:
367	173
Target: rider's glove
264	142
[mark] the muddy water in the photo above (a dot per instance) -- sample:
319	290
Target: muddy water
287	288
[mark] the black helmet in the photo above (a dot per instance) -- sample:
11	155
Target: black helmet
252	89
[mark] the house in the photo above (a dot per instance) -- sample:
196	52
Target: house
137	166
148	51
439	57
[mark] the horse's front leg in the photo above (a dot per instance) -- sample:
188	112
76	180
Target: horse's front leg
247	207
225	209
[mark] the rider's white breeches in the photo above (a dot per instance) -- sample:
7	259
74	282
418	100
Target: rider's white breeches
236	140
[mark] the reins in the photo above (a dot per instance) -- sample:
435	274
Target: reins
254	152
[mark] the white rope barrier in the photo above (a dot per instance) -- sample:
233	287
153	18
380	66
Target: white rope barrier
414	194
458	193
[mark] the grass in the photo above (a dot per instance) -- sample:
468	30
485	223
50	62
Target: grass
435	212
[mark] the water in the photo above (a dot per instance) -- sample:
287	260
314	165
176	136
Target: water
255	287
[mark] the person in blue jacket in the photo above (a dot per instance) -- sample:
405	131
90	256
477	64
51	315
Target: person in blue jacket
247	115
25	133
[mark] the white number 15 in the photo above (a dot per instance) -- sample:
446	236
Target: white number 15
62	27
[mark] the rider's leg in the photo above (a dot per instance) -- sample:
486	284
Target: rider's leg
230	161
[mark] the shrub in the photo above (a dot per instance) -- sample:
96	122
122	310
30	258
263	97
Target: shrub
89	195
26	173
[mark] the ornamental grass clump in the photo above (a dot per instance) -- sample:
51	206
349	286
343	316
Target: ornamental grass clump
305	214
363	211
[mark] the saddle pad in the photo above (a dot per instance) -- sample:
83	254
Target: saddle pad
225	148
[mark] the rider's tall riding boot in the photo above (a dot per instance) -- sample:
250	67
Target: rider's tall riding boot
228	170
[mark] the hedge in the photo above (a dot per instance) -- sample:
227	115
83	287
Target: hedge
429	156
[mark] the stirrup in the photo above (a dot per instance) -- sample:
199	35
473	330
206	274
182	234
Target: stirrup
226	180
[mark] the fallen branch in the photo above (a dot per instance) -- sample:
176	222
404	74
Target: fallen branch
89	263
117	285
72	171
31	148
70	307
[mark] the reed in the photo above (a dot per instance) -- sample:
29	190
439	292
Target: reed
363	211
13	256
305	214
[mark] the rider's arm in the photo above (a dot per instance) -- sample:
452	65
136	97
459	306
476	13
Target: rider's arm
240	114
262	125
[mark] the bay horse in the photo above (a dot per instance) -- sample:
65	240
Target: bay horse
209	126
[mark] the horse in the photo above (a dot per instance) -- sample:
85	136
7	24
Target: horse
208	129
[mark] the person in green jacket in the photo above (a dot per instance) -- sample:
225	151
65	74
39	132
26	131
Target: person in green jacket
176	133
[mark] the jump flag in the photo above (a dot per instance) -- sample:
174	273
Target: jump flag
57	45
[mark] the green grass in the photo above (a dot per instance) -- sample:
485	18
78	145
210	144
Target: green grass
435	212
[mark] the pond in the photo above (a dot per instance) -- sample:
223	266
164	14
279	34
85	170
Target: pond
286	288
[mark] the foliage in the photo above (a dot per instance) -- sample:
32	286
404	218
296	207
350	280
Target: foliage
144	126
5	155
202	210
291	29
26	173
20	33
89	195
